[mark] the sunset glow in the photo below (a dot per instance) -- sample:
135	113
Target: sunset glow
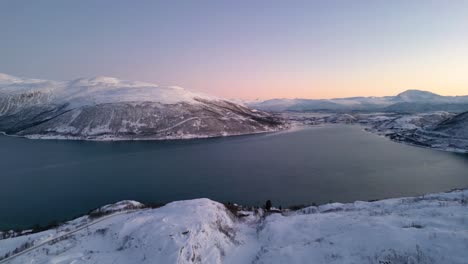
265	49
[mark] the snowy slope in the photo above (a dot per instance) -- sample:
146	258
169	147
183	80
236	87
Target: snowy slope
108	108
417	95
414	121
98	90
456	126
438	130
426	229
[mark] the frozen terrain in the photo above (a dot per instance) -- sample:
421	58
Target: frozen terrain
455	126
438	130
426	229
105	108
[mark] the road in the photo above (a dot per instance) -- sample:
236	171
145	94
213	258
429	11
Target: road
10	258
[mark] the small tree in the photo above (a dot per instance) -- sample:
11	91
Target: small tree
268	205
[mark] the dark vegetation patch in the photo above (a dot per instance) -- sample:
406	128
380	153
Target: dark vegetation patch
233	208
153	205
17	250
414	225
298	207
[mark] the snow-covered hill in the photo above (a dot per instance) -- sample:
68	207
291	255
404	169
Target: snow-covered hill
417	95
426	229
408	101
438	130
456	126
108	108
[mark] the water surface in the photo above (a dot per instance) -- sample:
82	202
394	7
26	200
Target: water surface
43	180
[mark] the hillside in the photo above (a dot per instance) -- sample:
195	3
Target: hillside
104	108
456	126
426	229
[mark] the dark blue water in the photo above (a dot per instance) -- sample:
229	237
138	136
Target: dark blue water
45	180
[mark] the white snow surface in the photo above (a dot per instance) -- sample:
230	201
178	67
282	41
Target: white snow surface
99	90
106	108
120	206
426	229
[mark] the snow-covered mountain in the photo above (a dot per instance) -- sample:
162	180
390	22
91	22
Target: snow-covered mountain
108	108
425	229
417	96
456	126
438	130
408	101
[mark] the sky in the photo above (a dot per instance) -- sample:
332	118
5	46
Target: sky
244	49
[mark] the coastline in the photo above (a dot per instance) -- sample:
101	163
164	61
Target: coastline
431	220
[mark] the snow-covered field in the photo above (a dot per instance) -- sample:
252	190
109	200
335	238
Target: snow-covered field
427	229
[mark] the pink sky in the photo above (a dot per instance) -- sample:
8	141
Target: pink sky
245	49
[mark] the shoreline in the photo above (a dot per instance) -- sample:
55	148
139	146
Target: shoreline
427	228
57	222
136	139
384	135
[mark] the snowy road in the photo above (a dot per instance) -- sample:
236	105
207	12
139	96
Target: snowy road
63	235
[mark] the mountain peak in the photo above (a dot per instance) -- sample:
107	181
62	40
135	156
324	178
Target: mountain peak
417	95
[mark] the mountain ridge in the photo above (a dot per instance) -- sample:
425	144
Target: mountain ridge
107	108
420	101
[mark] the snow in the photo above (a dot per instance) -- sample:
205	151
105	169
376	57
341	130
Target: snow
5	78
120	206
387	103
418	95
426	229
456	126
100	90
383	101
106	108
436	130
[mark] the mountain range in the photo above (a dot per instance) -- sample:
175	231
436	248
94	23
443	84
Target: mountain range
106	108
410	101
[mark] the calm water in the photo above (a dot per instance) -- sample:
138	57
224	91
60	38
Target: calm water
46	180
